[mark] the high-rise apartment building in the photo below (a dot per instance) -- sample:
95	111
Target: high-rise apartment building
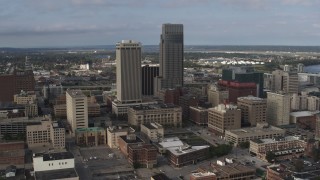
253	110
148	74
128	60
224	117
77	109
171	57
278	109
285	81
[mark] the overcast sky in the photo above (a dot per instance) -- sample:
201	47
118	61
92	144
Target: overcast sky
39	23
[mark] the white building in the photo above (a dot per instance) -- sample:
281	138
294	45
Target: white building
53	161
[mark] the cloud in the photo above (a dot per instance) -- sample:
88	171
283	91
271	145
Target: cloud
315	25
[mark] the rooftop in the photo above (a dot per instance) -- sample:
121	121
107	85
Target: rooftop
303	113
55	156
154	106
91	129
75	93
56	174
254	130
171	142
186	149
160	176
251	98
276	139
129	140
152	125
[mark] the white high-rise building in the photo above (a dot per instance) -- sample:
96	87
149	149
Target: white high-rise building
128	60
77	109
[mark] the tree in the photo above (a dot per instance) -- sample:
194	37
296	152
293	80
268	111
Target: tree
270	156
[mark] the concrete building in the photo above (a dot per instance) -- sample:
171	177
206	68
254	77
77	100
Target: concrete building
149	72
16	126
52	90
122	109
31	110
48	133
199	115
143	155
77	109
93	136
94	110
253	110
164	114
184	155
286	81
14	83
278	109
261	131
25	97
152	131
128	60
60	110
217	96
126	141
113	134
171	57
224	117
283	147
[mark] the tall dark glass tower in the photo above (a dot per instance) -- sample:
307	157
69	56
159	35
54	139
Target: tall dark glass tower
171	56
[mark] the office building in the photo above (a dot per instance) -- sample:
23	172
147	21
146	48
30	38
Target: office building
144	155
52	90
218	96
238	89
128	60
14	83
93	136
113	134
171	57
31	110
17	126
286	81
184	155
164	114
126	141
77	109
224	117
152	131
278	109
46	134
25	97
253	110
261	131
149	72
60	110
283	147
199	115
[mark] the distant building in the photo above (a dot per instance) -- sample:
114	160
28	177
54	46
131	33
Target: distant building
184	155
224	117
128	60
93	136
77	109
286	81
253	110
152	131
261	131
14	83
148	74
164	114
278	109
217	96
239	89
283	147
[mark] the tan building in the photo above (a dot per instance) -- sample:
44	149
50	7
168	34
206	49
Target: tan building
77	109
113	134
48	133
282	147
164	114
278	109
224	117
261	131
217	96
93	136
253	110
152	131
286	81
93	109
31	110
25	97
128	60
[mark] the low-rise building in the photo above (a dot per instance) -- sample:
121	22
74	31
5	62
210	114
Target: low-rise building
125	141
203	176
282	147
253	110
164	114
261	131
113	134
183	155
199	115
17	126
304	119
60	110
25	97
152	131
12	153
142	155
93	136
169	143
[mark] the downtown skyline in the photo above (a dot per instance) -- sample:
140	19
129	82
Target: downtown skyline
59	23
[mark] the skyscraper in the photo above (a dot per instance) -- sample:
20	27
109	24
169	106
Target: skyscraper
128	60
171	56
148	75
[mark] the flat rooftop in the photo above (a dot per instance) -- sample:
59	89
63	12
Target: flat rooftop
56	174
129	141
185	149
171	142
154	106
152	126
91	129
76	93
303	113
276	139
252	98
55	156
254	130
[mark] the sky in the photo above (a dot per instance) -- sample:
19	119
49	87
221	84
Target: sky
54	23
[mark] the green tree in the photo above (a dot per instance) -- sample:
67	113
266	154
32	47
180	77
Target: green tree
270	156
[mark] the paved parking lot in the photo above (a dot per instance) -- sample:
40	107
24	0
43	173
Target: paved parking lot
97	153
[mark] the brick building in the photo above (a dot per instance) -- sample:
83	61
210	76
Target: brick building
239	89
143	155
199	115
125	141
93	136
12	153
